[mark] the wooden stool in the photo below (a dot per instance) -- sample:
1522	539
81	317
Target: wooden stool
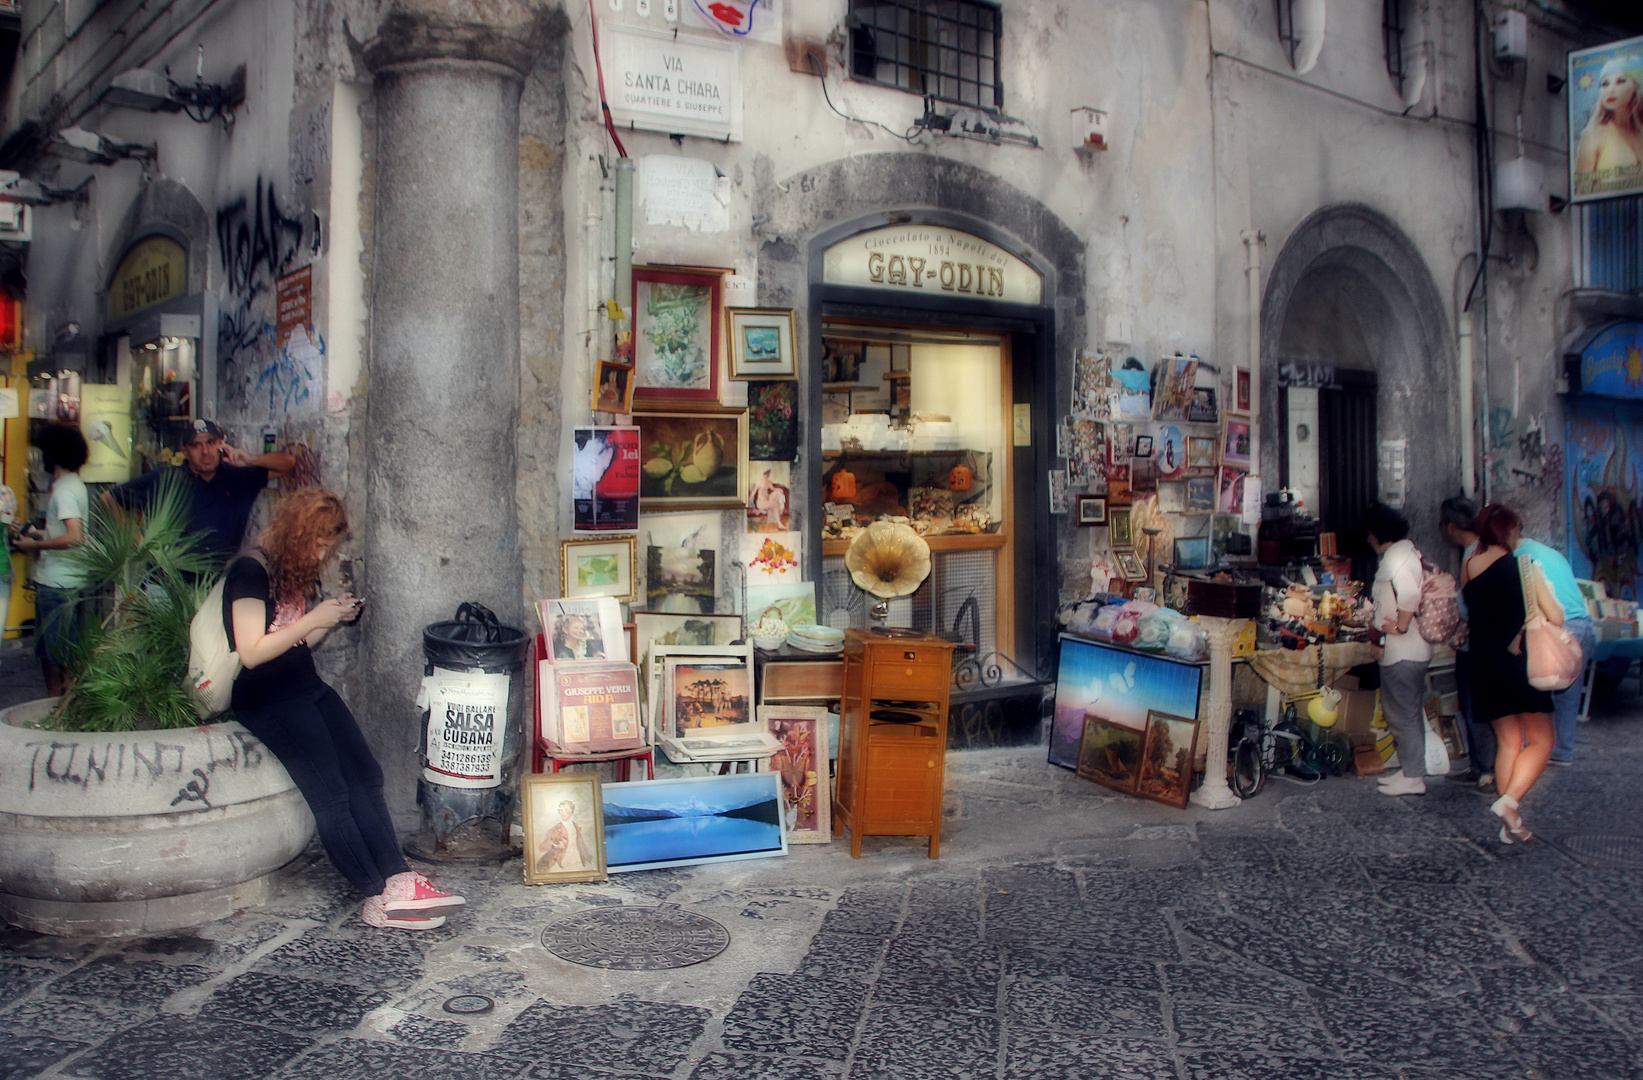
557	759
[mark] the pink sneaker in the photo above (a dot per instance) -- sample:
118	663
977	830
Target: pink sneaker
412	894
375	913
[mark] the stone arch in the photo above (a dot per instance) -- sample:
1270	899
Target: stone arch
851	190
163	207
1349	281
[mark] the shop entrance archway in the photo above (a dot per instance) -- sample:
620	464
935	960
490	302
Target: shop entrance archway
1356	350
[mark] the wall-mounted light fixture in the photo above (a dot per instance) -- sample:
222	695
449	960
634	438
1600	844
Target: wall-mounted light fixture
201	101
78	144
16	189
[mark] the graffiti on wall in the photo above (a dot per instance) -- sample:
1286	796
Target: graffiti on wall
263	380
1525	469
1605	440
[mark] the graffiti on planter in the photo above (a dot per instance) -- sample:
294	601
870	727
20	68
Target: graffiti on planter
97	762
1605	443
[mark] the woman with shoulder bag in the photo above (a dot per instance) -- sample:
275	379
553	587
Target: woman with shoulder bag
280	697
1521	716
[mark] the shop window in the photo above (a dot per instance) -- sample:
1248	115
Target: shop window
946	49
911	431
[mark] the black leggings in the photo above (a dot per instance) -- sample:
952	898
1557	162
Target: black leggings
315	737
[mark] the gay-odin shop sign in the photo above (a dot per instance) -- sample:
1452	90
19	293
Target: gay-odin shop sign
681	85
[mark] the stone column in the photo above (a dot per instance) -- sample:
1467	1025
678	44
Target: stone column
442	403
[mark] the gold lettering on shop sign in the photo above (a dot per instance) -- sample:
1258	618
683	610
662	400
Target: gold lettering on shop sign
898	270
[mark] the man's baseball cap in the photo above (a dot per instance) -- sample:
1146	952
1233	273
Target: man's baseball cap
208	428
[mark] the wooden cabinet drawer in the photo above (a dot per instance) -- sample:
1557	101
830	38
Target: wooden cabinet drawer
896	676
802	680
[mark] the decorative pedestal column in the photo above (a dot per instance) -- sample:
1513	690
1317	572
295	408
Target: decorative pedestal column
441	525
1214	794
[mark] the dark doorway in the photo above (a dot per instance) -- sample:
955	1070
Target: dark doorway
1345	438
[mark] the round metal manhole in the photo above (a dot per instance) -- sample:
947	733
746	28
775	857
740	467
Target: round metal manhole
636	938
469	1004
1616	849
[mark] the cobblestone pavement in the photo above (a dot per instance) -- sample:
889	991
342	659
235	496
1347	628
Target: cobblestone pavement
1325	932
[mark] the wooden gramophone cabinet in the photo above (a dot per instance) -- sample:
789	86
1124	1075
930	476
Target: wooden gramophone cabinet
891	768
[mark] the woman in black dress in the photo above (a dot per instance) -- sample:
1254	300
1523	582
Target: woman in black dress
1499	677
280	697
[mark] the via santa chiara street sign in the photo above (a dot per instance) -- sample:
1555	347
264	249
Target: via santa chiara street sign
680	85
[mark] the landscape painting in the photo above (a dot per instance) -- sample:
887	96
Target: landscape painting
1109	755
1117	686
1166	759
679	822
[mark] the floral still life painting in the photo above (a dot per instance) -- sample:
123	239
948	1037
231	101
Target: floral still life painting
678	331
772	420
770	557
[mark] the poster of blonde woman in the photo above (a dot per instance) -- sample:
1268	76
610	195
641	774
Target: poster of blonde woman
1606	120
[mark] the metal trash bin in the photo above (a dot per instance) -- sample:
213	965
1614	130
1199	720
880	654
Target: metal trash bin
473	698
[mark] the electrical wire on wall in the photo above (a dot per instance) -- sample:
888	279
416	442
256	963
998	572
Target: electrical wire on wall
599	76
1484	158
822	75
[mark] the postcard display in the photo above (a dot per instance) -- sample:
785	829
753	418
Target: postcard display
637	650
1170	444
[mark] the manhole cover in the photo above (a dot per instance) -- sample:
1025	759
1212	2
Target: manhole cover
636	938
1617	849
469	1004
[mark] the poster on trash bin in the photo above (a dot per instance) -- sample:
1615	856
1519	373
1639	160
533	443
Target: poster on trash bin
467	728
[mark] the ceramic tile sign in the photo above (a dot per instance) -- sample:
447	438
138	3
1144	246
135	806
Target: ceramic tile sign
605	479
467	724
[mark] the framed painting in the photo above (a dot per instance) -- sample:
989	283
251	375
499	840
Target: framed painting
1235	447
1203	452
682	581
1200	494
1240	394
603	566
676	329
1130	565
564	827
773	420
1117	686
1202	409
1092	510
692	460
794	601
762	343
668	628
1230	497
1166	759
613	388
1119	534
1192	553
701	690
1109	755
1172	497
770	497
650	824
802	765
584	629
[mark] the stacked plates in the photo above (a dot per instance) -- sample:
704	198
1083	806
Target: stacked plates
817	639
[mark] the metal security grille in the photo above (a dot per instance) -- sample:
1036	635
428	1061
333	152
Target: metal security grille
945	49
1392	23
959	600
1612	231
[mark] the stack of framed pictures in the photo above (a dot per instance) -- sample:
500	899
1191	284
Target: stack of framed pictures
588	690
700	701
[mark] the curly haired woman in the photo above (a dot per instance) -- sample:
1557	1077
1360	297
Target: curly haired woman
280	697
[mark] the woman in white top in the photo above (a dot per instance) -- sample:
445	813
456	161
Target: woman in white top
56	577
1404	653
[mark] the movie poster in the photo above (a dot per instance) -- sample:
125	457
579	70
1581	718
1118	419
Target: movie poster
605	481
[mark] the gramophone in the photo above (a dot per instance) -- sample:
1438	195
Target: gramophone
888	559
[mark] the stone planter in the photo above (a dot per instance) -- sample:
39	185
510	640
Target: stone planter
130	833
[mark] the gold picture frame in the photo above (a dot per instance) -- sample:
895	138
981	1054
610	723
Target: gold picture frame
599	566
573	842
687	460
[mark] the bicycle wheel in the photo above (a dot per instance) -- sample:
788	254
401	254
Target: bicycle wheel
1248	771
1334	754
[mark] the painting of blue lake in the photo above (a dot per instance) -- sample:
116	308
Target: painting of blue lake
677	822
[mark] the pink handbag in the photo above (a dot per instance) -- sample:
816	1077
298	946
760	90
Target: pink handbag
1555	659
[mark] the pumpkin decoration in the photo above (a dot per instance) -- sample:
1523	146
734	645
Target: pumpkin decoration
843	486
959	478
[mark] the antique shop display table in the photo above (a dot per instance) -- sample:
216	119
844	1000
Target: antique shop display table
892	737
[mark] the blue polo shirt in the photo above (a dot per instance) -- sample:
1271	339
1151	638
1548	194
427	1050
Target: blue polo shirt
1559	574
221	507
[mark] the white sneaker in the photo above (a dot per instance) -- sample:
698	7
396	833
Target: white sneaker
1404	785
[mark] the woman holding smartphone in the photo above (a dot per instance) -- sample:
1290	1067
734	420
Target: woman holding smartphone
280	697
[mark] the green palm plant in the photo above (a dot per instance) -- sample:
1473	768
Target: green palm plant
145	578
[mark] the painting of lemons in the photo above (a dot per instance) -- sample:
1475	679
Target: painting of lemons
692	460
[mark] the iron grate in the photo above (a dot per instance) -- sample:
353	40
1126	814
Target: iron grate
1616	849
